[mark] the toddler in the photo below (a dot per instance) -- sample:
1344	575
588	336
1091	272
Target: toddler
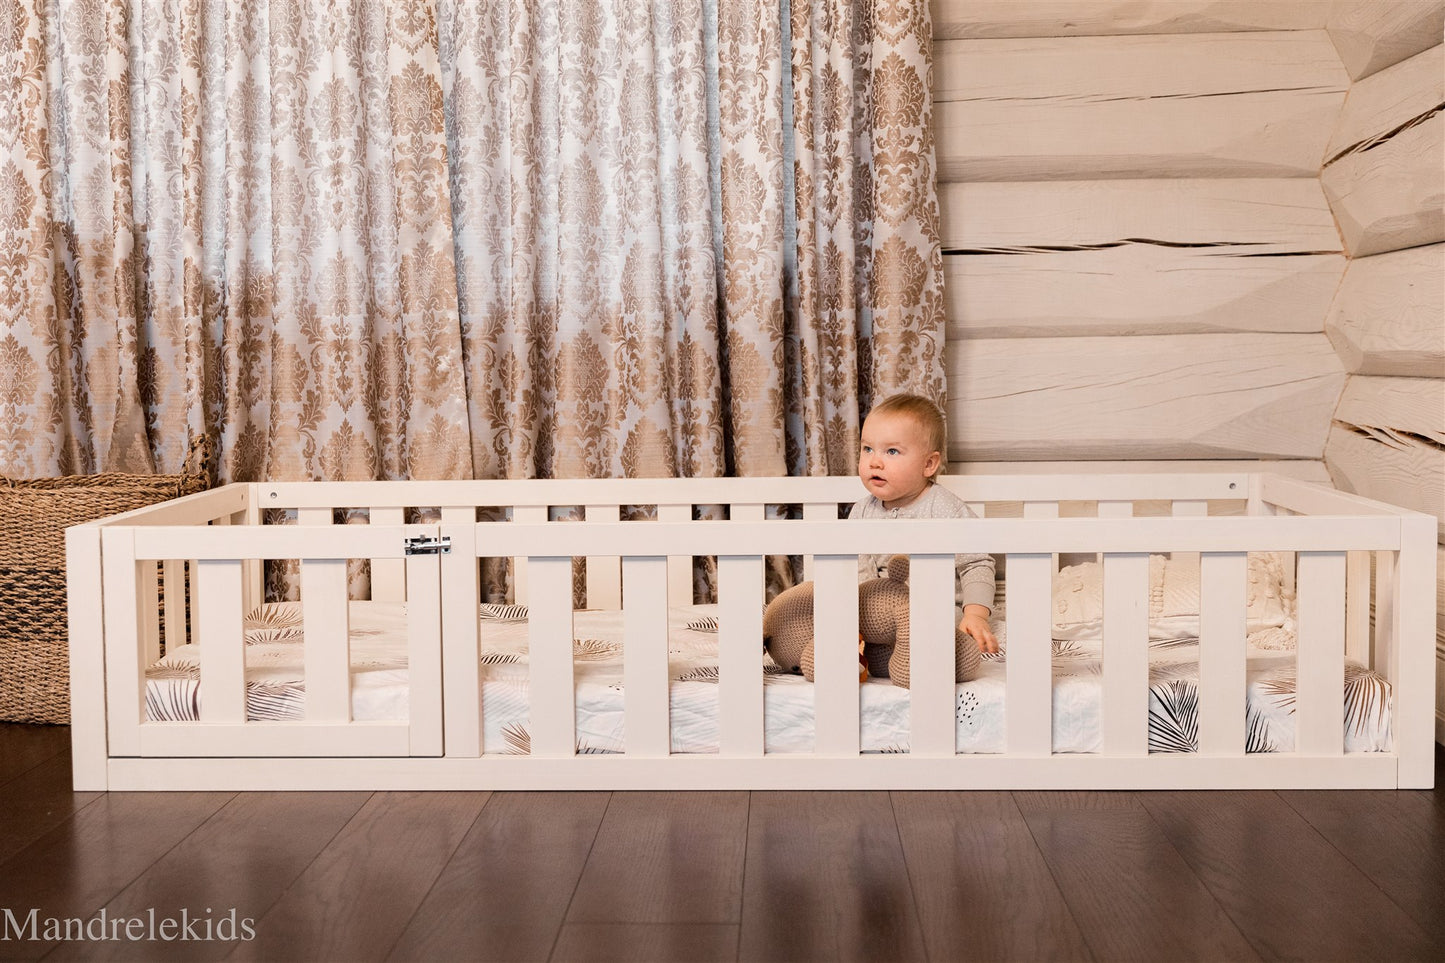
900	455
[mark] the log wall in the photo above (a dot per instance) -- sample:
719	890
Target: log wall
1384	176
1202	231
1131	204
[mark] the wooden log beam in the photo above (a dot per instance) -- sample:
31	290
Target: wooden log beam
1150	397
1386	316
1198	105
1396	406
1382	171
1228	218
1388	442
1135	289
1137	257
1374	34
973	19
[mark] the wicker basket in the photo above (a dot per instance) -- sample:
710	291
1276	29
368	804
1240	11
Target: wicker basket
34	513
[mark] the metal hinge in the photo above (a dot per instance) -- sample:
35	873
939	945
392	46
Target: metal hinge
427	545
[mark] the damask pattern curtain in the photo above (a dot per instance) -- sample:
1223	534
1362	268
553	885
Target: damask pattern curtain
867	297
452	238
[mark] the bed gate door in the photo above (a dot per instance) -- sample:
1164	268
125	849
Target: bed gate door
323	677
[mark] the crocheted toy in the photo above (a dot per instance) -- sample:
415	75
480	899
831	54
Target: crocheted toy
882	623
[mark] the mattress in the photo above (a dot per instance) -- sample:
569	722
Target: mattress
275	686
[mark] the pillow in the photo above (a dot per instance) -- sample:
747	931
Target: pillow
1173	597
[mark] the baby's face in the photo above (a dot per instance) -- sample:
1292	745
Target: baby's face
895	461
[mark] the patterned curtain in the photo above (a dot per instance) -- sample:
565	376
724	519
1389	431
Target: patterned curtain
580	188
452	238
227	218
866	301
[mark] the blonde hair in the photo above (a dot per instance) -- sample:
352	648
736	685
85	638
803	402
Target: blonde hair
926	415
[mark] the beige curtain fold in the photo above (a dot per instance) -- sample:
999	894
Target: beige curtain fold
866	302
580	183
461	238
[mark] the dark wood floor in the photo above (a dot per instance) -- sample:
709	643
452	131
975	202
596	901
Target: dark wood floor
719	875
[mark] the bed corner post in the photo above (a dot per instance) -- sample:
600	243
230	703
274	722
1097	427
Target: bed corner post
88	753
1415	634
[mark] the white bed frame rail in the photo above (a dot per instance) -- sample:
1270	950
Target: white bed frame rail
642	567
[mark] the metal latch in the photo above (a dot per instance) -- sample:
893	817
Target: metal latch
427	545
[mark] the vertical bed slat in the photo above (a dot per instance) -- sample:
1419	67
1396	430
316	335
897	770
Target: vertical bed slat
253	585
1357	606
1415	695
148	599
1222	580
249	600
816	512
745	512
388	575
327	631
1028	698
740	676
1319	700
222	656
1110	509
424	652
173	585
553	696
1044	510
124	658
521	590
604	572
1387	654
1126	654
1187	508
644	659
314	516
679	567
460	598
931	664
835	655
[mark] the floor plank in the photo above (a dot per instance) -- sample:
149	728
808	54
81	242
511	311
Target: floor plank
355	899
1132	895
235	866
23	747
1074	800
647	943
666	857
76	868
1288	890
36	802
982	888
505	891
1397	839
826	880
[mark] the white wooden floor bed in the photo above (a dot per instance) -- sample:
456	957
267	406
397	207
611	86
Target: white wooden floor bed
1361	577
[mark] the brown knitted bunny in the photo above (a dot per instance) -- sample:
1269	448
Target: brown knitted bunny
882	621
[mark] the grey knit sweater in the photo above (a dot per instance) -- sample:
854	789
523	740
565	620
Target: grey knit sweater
974	573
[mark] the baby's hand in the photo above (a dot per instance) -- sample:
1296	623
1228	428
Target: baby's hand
975	623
